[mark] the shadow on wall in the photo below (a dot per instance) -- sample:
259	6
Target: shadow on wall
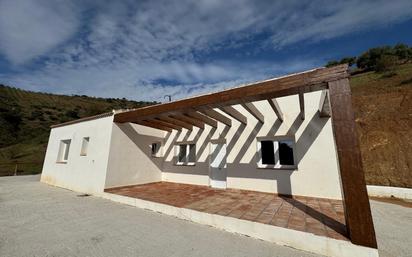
237	167
143	142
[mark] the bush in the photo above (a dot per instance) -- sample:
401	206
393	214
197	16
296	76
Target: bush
386	63
72	114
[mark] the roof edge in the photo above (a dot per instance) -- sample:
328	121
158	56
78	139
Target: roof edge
94	117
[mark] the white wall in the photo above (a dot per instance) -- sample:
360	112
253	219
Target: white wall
130	160
80	173
317	172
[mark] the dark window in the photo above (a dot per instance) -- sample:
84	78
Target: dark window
155	148
192	153
268	153
286	153
182	154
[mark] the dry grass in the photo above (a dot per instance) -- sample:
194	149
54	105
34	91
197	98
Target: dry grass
383	110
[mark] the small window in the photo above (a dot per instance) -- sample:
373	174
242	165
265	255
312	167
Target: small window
85	146
286	152
156	149
276	153
192	153
186	154
64	148
268	152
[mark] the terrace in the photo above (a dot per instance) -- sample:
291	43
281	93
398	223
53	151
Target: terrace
319	216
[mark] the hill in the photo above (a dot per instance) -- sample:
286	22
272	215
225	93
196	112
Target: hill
25	119
381	101
383	109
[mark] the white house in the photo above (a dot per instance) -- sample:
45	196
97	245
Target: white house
276	136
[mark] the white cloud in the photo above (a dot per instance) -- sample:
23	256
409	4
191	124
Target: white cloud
31	28
126	48
321	21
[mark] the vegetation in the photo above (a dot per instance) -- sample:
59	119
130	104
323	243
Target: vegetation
25	119
383	112
380	59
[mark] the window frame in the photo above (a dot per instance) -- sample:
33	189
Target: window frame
85	147
277	165
187	162
64	151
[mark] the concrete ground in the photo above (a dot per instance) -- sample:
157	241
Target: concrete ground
40	220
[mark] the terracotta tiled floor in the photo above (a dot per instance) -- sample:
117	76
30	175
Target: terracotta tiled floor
324	217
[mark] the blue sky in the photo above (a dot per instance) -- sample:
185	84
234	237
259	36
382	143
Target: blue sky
144	50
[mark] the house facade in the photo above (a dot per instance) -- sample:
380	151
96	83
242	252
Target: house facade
290	136
294	156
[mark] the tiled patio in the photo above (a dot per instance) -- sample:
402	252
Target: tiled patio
324	217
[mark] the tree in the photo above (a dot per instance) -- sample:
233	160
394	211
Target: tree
403	51
386	62
349	60
368	59
332	63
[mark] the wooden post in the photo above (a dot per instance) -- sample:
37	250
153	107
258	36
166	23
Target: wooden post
15	170
358	215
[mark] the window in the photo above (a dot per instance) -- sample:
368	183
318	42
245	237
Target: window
85	146
156	149
64	148
186	154
276	153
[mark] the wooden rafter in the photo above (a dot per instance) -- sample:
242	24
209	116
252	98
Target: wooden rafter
355	196
176	122
302	105
232	112
217	116
324	106
202	118
189	120
165	124
154	125
275	107
251	108
293	84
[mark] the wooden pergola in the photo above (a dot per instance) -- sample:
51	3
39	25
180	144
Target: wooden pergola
335	103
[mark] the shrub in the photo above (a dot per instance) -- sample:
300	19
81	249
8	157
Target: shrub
386	63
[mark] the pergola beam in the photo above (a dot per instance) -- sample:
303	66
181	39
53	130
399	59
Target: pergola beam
189	120
293	84
324	105
202	118
358	215
165	124
217	116
251	108
154	125
302	105
176	122
275	107
232	112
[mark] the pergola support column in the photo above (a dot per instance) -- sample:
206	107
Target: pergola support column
358	215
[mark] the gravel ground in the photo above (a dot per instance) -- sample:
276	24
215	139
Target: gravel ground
40	220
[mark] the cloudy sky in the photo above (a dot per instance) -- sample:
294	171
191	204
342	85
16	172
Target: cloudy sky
144	50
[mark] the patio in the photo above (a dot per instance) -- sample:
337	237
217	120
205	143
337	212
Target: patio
323	217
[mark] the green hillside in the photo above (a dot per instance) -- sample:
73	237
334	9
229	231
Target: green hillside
25	119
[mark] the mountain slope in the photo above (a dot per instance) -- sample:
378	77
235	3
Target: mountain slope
383	110
25	119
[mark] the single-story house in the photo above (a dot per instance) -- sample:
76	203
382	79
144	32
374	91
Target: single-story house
285	138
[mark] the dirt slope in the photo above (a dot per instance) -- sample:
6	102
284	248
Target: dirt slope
383	110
